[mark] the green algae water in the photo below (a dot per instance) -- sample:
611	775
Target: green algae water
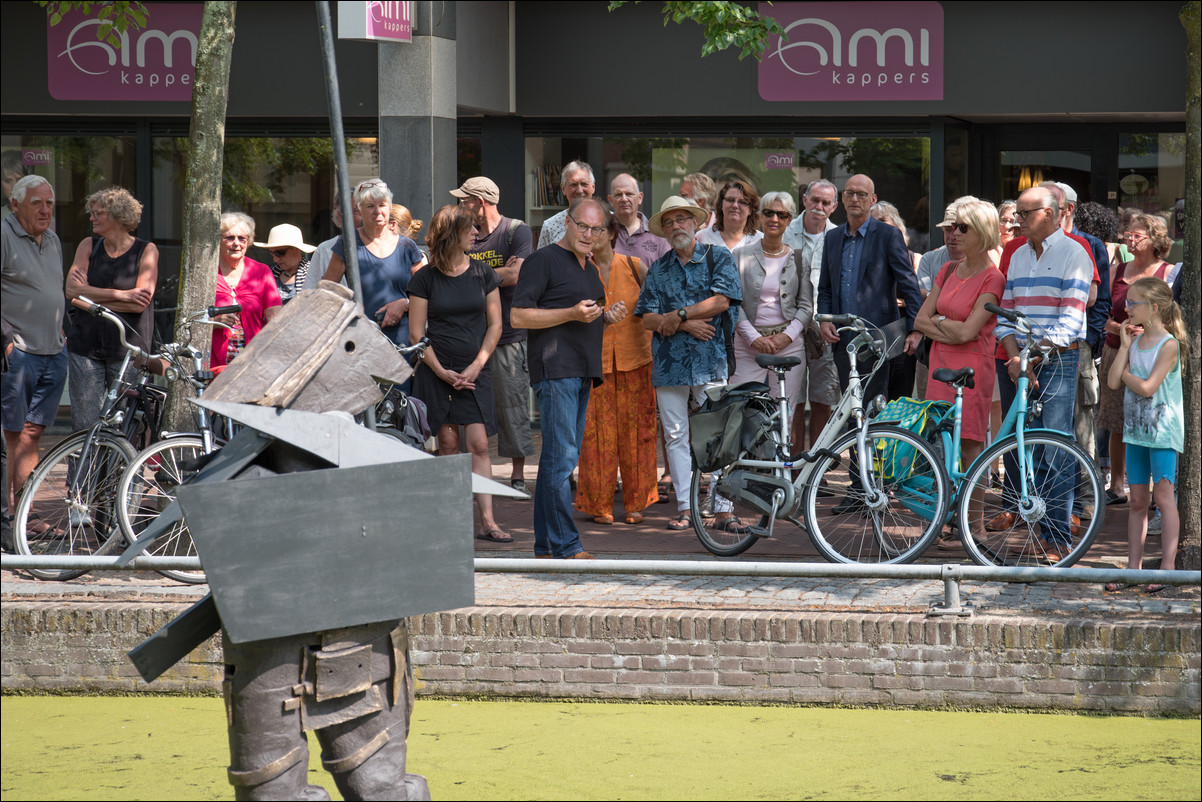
158	747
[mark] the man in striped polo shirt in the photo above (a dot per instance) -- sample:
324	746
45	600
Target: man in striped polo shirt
1048	280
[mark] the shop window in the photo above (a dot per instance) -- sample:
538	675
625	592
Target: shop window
900	167
273	179
1022	169
76	166
1152	178
468	162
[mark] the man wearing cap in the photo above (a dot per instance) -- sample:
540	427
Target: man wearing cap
687	300
1096	315
503	243
559	297
806	236
634	238
577	182
289	254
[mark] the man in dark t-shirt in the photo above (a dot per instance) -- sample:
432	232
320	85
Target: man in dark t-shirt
503	244
559	298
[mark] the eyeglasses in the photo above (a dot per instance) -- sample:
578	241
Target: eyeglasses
596	231
280	252
673	222
775	214
851	193
1131	303
737	202
234	238
97	213
370	184
1021	214
1135	236
961	227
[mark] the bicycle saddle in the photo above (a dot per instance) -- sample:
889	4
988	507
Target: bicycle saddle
773	361
962	377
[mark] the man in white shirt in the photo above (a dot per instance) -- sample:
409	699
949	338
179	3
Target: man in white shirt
577	182
805	235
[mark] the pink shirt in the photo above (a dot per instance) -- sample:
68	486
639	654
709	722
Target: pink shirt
257	293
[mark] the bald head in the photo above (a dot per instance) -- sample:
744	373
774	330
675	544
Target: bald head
625	198
859	193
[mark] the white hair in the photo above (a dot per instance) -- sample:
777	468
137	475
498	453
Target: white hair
785	198
372	189
232	220
27	183
576	167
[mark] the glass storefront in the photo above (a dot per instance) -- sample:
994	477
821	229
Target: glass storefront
1023	169
900	167
1151	177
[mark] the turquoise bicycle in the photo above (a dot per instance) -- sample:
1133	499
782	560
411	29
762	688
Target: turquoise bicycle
1047	507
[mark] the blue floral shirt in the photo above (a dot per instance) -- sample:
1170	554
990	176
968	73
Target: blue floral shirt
682	360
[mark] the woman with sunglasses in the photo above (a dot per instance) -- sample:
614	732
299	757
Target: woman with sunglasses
778	301
955	319
291	256
241	280
1147	240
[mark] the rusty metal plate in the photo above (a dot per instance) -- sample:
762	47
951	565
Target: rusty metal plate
325	549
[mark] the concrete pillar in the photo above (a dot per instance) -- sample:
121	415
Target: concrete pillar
417	93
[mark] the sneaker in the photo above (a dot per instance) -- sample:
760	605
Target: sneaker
519	485
1154	524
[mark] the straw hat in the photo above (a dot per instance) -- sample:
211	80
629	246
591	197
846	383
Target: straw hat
672	203
286	236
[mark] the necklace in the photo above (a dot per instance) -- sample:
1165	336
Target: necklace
783	250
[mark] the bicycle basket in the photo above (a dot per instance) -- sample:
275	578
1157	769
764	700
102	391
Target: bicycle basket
730	422
895	461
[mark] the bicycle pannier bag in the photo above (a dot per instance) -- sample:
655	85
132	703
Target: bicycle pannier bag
728	423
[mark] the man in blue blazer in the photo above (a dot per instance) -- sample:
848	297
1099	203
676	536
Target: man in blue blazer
866	268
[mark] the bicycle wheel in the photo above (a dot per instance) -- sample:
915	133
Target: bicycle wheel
148	487
846	528
68	504
718	541
1002	533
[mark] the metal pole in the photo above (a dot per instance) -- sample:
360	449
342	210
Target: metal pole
334	99
925	572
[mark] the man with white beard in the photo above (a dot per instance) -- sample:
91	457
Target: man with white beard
687	301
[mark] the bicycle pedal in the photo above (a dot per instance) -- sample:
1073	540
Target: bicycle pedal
759	531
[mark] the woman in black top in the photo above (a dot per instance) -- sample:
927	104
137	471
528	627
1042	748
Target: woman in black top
456	303
116	269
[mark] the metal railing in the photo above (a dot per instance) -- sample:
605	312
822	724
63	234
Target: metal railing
951	574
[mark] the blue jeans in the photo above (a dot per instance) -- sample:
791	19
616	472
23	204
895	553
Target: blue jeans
562	404
1055	471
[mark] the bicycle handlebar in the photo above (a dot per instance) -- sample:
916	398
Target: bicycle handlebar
838	320
1009	314
93	308
232	309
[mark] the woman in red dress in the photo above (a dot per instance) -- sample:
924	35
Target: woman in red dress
961	330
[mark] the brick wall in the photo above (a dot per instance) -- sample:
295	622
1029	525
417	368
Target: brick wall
801	658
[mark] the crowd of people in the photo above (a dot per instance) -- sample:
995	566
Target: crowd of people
619	324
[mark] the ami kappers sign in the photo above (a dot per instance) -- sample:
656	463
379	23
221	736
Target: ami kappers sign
154	63
854	51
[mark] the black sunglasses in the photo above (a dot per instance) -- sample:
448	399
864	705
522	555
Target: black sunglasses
776	214
280	252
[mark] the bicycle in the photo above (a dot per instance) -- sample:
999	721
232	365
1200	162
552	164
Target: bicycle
861	501
393	410
71	498
1037	491
148	485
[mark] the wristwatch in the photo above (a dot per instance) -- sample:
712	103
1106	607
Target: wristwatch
683	315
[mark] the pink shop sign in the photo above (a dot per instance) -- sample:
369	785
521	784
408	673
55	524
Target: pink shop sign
854	51
376	21
154	63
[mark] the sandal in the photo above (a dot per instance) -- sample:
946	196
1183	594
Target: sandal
680	523
1156	588
732	525
663	488
496	536
1113	587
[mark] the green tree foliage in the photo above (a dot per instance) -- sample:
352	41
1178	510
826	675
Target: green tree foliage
724	25
115	17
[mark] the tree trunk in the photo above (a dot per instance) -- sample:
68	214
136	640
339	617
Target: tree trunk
1189	472
202	198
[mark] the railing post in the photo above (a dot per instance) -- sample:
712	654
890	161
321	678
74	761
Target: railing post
951	594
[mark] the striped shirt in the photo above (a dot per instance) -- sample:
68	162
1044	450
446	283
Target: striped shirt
1051	289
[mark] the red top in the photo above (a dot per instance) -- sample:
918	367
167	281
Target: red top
257	293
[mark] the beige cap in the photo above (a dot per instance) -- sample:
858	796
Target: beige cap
479	187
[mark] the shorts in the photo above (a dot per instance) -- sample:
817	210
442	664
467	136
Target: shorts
511	395
821	382
1147	466
33	387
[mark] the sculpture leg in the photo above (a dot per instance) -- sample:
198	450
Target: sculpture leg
269	754
366	756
